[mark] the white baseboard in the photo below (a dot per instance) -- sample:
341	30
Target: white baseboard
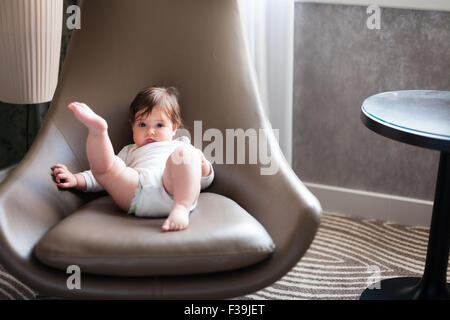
370	205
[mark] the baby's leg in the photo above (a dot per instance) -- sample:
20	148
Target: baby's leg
181	179
109	170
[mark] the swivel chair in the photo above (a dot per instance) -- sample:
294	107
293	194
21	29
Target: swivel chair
123	46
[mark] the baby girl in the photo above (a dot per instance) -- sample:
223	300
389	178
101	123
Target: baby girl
157	176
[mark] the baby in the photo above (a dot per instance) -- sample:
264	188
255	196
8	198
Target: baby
157	176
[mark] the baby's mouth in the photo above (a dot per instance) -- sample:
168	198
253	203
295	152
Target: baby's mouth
150	140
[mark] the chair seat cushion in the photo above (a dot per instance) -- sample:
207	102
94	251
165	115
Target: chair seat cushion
102	239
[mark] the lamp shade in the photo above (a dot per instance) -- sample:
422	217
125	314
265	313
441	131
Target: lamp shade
30	44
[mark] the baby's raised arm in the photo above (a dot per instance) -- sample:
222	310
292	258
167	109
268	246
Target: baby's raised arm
66	179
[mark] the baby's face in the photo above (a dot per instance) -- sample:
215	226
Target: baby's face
154	127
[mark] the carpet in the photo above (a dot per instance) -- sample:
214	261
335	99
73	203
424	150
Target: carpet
347	255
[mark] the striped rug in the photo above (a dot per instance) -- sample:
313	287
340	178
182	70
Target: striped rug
12	289
346	256
349	254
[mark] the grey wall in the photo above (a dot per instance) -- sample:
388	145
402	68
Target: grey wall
338	63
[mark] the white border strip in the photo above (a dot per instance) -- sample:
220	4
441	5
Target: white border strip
371	205
438	5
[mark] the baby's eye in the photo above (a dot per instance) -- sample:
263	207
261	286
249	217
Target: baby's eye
160	125
141	125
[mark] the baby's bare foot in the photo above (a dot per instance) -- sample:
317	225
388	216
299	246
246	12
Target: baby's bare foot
178	219
89	118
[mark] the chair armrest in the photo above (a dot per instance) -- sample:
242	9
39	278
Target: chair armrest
30	202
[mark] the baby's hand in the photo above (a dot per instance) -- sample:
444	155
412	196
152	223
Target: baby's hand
63	177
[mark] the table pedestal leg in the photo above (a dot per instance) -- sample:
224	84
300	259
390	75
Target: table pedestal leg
433	284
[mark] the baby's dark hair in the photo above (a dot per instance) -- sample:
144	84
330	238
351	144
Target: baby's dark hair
148	98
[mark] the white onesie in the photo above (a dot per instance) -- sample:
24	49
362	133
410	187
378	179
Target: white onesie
151	198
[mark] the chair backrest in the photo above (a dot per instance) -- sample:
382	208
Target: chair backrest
196	46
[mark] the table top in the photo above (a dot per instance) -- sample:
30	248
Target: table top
417	117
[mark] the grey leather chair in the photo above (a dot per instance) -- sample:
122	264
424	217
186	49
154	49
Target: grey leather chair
122	47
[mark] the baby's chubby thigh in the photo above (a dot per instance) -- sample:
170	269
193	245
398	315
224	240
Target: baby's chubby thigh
120	182
183	163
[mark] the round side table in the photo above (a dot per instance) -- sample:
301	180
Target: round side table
420	118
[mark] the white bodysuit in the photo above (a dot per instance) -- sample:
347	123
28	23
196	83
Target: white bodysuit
151	198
